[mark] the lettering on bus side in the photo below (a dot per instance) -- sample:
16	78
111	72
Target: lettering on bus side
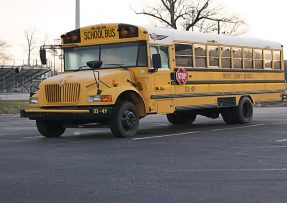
99	34
237	76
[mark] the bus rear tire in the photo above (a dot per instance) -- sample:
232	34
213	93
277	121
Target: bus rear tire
181	118
241	114
50	128
244	111
228	115
125	120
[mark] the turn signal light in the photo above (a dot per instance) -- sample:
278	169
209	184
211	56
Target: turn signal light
106	98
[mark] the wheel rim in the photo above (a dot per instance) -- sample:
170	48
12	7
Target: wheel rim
129	119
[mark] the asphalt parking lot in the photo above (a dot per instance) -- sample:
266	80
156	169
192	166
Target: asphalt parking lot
208	161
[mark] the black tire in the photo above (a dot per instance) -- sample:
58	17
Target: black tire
50	128
125	120
181	117
228	115
241	114
244	111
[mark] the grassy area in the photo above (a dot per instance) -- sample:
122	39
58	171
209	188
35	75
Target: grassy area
12	107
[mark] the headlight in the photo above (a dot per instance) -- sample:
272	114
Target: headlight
100	98
33	100
96	98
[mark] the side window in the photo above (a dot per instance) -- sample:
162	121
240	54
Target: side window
248	58
142	55
200	56
163	51
237	57
226	57
258	58
184	55
213	56
267	59
277	60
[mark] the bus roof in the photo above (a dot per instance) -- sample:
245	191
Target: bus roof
169	36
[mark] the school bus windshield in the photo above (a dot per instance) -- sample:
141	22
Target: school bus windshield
132	54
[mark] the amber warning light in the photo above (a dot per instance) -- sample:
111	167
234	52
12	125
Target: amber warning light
127	31
72	37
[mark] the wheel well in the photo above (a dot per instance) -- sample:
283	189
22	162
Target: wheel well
249	97
136	99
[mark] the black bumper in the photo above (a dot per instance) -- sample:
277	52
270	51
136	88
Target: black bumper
95	114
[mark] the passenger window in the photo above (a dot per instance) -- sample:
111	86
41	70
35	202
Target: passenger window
267	59
213	56
258	57
163	51
184	55
237	57
248	58
277	60
226	57
200	56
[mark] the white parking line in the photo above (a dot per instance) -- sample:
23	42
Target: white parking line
192	132
284	140
34	137
239	169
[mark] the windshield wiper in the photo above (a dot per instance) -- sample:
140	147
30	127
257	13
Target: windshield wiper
114	64
80	68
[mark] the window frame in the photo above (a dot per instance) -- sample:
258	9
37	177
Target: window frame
199	56
184	55
237	58
214	57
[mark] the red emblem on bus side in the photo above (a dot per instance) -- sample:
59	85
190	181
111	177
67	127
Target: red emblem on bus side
181	76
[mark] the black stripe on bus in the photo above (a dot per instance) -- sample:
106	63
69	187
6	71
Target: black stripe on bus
174	96
231	70
228	82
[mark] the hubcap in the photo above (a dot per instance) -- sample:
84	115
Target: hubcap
129	120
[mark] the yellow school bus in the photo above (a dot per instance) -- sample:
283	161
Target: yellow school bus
116	74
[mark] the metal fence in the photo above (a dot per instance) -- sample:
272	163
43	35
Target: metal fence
27	80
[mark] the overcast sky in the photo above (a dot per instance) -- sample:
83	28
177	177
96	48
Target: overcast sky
52	18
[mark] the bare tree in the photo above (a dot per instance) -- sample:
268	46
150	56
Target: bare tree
201	15
30	36
4	55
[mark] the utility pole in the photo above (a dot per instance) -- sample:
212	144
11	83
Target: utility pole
78	14
218	26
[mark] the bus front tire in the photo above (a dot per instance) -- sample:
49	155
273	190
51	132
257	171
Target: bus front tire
125	120
181	118
241	114
49	128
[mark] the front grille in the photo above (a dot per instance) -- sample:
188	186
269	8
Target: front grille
66	93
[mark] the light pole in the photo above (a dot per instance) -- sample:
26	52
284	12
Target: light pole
77	14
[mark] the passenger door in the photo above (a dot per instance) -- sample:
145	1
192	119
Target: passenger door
161	80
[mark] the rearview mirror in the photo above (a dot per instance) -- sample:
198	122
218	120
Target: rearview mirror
156	61
43	56
94	64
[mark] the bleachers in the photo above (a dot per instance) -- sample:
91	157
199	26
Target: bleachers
10	81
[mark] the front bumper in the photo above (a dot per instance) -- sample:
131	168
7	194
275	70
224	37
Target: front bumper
91	114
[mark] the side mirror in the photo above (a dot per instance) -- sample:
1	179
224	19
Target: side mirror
43	56
156	61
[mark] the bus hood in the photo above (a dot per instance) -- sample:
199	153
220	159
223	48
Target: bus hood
86	78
